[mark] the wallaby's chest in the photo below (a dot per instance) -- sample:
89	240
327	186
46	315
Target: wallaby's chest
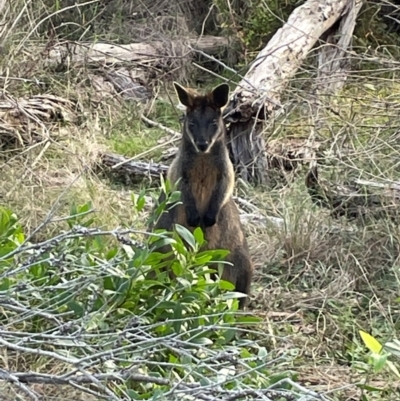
203	179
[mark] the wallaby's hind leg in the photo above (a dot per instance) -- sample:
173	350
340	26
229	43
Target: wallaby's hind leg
241	273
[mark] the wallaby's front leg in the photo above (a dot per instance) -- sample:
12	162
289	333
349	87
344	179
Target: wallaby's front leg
218	198
192	214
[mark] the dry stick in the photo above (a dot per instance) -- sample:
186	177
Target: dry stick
127	375
41	153
81	379
158	125
100	385
11	378
390	185
50	354
299	388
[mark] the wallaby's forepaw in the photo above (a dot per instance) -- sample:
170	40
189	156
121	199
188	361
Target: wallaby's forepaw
193	218
210	218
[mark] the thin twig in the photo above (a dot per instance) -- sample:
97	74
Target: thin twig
13	379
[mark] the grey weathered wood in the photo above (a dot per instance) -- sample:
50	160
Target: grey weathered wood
333	57
144	53
133	168
257	96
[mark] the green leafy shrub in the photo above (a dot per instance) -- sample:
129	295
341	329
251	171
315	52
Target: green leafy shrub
85	294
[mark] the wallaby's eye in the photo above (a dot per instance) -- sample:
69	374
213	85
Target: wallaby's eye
215	123
190	123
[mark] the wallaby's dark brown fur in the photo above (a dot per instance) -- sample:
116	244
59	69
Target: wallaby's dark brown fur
206	184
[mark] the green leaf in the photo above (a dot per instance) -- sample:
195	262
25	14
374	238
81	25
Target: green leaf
178	310
229	334
204	382
5	284
199	235
286	375
186	235
158	395
174	197
111	253
133	395
166	305
249	320
201	341
227	285
6	249
189	297
378	361
202	260
369	388
371	342
77	308
141	201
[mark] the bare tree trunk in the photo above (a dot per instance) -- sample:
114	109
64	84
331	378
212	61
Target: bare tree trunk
258	95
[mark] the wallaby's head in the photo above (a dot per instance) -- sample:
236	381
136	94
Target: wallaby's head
203	124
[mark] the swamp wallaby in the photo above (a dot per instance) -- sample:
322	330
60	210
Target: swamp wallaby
206	182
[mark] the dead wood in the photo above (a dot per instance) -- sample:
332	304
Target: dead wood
151	53
333	60
353	200
133	169
24	121
257	96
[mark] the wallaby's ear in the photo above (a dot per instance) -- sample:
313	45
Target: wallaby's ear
183	95
221	95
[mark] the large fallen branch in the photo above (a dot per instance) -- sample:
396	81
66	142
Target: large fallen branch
258	95
152	52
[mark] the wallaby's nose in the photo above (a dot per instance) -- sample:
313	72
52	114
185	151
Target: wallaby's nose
202	146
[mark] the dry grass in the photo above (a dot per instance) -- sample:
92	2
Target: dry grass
318	280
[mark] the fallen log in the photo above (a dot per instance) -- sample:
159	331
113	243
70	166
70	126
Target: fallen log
143	53
258	94
132	168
